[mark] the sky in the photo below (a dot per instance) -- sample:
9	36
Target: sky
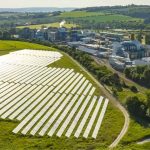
67	3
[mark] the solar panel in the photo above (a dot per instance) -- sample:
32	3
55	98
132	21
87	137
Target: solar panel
91	122
99	122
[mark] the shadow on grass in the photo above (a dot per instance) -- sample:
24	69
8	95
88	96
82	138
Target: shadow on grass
144	138
145	121
8	120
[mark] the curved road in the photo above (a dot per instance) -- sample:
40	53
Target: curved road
117	104
106	63
144	141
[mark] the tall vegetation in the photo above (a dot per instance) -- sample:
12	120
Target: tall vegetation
138	108
139	74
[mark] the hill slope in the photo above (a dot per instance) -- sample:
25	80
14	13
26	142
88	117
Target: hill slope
139	11
112	123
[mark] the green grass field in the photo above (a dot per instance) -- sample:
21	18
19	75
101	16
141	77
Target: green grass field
137	131
39	26
77	14
97	16
111	18
111	126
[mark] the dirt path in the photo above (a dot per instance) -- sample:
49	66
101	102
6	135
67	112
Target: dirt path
144	141
117	104
106	63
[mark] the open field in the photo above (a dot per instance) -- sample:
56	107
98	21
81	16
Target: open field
98	17
83	15
137	130
111	126
77	14
10	46
39	26
111	18
135	134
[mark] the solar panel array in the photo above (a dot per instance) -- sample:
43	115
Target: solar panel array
48	101
31	57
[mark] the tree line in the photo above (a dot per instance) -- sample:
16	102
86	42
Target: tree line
139	74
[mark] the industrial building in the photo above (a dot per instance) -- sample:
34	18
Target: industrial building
120	63
131	49
134	49
112	36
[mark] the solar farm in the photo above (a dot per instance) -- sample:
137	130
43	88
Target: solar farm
48	101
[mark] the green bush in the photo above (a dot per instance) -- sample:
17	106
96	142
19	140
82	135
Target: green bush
136	107
134	89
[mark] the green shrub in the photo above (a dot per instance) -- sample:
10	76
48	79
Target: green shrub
134	89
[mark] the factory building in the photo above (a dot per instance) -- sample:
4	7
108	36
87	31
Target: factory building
120	63
112	36
41	34
134	49
27	33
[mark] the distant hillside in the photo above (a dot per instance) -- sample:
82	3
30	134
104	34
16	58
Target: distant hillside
35	9
101	20
139	11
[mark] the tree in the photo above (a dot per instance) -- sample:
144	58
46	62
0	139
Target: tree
6	35
148	102
115	79
124	84
114	92
127	72
136	107
1	34
134	89
147	76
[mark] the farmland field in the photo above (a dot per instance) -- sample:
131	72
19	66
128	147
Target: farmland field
111	126
74	16
67	25
97	17
77	14
110	18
